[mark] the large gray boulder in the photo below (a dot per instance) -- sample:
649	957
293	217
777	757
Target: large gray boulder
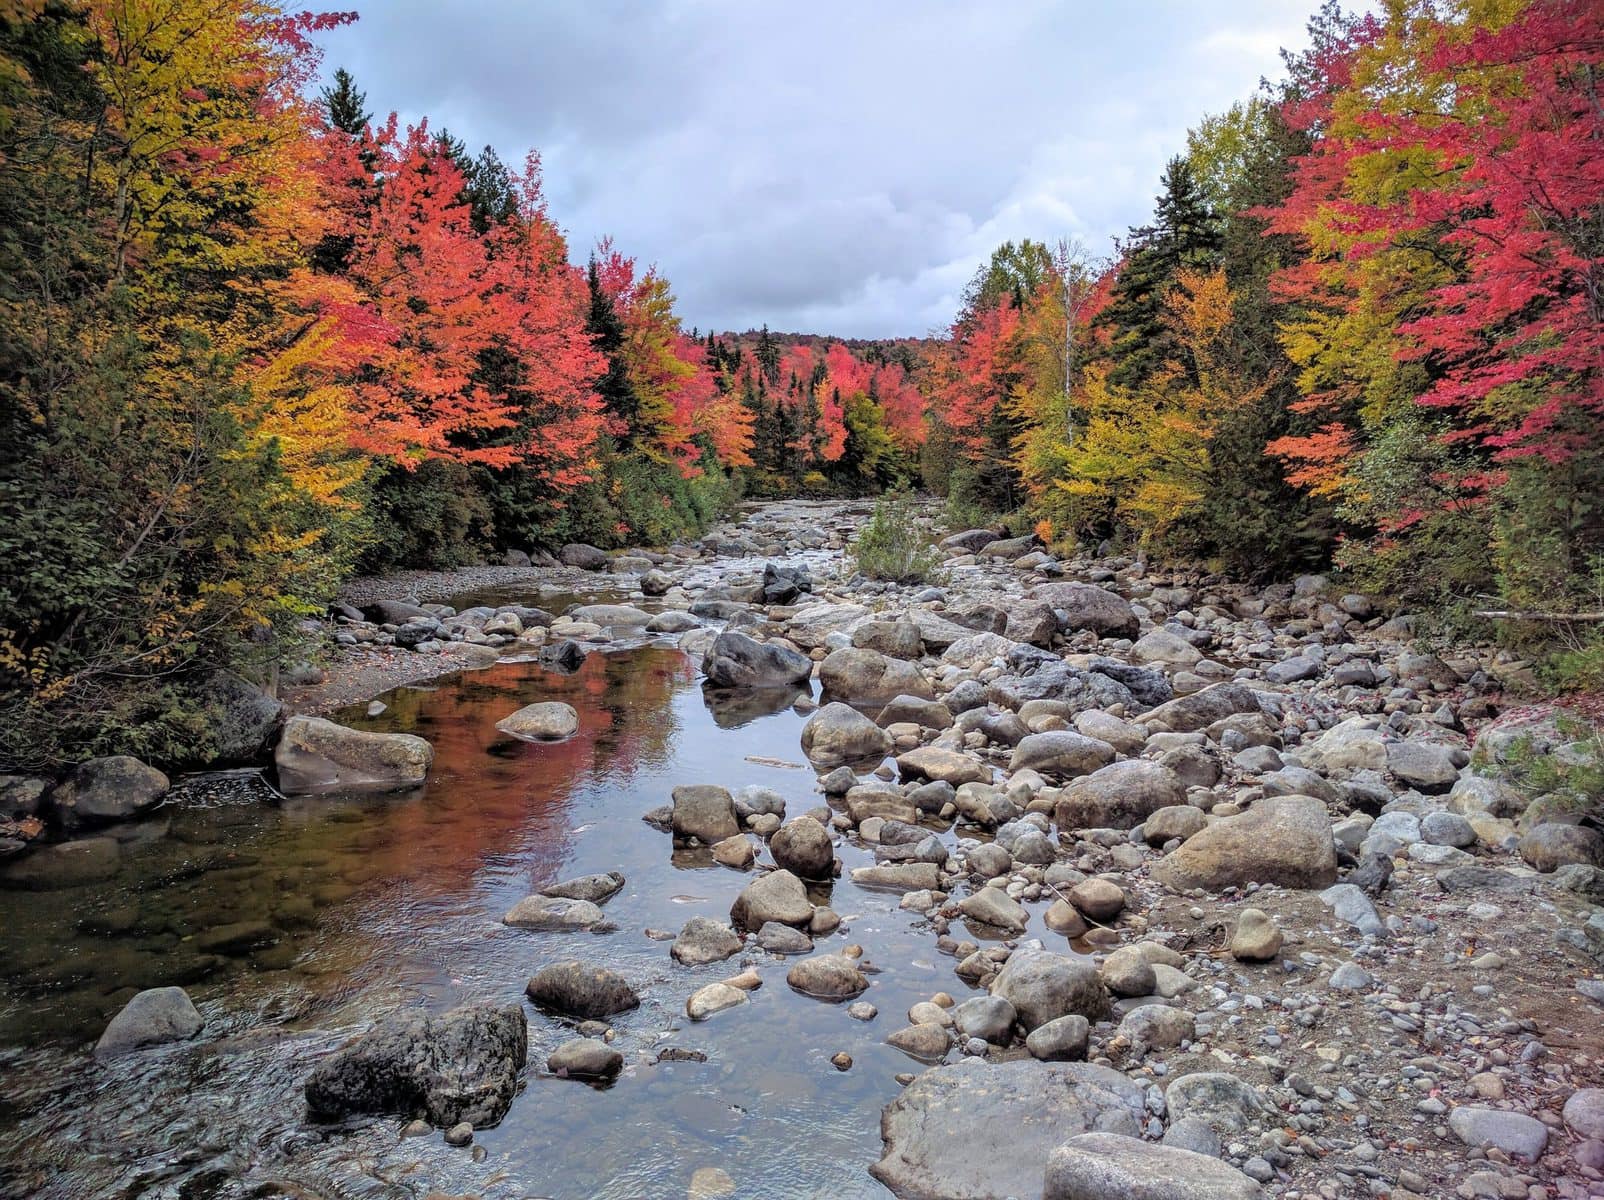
705	812
1062	754
586	558
1283	840
869	677
1119	796
547	720
1087	606
242	719
103	790
314	755
463	1065
1100	1166
575	989
839	733
1186	714
151	1018
778	896
803	847
735	660
985	1130
1043	987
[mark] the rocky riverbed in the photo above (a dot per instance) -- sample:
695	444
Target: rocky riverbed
1053	878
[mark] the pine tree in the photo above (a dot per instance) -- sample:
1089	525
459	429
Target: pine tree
345	105
1184	235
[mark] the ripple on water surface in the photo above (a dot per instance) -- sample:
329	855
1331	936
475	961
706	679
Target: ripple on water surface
295	923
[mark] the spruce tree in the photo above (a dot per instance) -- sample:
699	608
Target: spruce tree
345	105
1184	233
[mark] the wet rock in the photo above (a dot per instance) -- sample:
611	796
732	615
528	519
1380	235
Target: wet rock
1043	987
314	755
1060	754
985	1130
1496	1128
1120	795
1087	606
103	790
1256	938
940	765
803	847
777	896
839	733
552	914
1062	1039
656	583
595	888
461	1066
1549	846
827	977
1284	840
714	998
460	1134
577	989
548	720
782	939
705	812
737	661
734	852
868	677
994	907
1098	1166
929	1043
704	940
152	1018
585	1058
1226	1104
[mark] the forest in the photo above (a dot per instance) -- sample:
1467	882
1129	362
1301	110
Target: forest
256	338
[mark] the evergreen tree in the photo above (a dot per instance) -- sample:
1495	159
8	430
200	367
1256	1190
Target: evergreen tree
1184	233
768	356
607	335
347	108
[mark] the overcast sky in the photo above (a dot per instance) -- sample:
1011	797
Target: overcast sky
832	166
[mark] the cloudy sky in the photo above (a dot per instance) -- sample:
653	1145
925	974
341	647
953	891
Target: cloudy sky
834	166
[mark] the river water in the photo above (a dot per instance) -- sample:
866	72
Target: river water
294	924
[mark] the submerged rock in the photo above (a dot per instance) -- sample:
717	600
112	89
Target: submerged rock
578	990
552	913
314	755
460	1066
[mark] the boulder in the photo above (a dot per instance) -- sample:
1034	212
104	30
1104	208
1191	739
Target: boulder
1043	987
869	677
735	660
1283	840
611	615
1060	753
1176	821
1061	1040
894	639
996	908
705	812
938	764
1256	938
545	721
103	790
827	977
1170	649
242	719
713	998
1187	714
1497	1128
1228	1105
1118	796
985	1130
598	889
314	755
777	896
585	1058
1099	1166
803	847
576	989
586	558
1424	766
928	1043
552	914
839	733
151	1018
461	1066
927	714
1550	846
1087	606
703	940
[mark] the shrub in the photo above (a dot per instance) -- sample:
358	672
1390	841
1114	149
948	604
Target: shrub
896	544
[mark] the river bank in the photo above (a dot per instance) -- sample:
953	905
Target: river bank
1271	891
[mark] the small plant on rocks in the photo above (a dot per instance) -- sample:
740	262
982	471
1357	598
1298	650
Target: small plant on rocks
895	545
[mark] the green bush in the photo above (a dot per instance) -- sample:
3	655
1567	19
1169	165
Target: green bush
896	544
